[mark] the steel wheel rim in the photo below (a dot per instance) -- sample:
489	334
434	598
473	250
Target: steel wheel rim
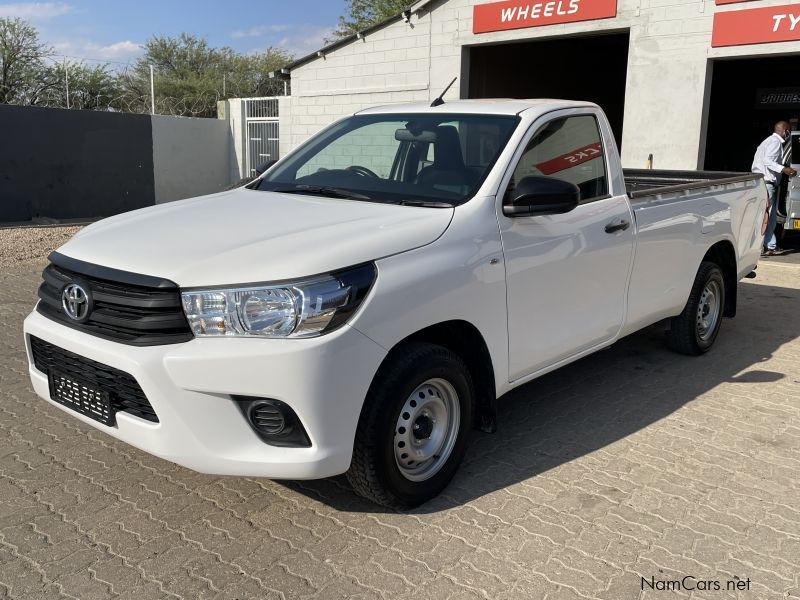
708	310
426	430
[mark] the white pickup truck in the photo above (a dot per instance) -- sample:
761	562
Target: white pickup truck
360	307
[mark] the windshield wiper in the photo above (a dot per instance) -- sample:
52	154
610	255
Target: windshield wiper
333	192
425	203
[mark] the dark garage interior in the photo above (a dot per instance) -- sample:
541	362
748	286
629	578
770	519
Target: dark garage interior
592	68
748	96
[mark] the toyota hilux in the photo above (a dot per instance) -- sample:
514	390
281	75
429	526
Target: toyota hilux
361	306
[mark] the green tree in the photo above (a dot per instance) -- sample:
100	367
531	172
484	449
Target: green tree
360	14
90	88
191	76
22	71
248	75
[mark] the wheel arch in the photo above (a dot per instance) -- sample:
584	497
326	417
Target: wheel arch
723	255
465	340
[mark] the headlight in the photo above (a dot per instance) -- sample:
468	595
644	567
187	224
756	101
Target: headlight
305	308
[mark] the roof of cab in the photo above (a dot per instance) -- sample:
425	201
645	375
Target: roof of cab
502	106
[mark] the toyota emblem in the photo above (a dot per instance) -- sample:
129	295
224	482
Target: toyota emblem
75	302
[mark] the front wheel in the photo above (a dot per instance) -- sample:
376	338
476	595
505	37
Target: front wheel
695	330
413	428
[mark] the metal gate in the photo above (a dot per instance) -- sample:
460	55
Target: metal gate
262	130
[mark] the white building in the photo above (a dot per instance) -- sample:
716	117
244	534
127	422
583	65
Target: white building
695	83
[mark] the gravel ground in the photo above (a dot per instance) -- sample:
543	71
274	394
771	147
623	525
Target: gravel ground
30	245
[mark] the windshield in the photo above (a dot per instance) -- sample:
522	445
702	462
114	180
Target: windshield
396	158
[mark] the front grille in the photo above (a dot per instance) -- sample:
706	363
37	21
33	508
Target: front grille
128	308
125	393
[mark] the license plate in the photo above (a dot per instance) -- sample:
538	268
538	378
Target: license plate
82	397
796	224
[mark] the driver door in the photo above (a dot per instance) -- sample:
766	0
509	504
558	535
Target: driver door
566	274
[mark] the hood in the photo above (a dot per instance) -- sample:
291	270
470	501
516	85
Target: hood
247	236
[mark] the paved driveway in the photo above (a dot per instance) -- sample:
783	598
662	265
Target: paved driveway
633	463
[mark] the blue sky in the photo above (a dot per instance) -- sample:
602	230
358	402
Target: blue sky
115	30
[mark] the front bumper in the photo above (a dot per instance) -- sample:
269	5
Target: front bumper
325	381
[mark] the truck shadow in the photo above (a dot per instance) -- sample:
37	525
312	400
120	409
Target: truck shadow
602	399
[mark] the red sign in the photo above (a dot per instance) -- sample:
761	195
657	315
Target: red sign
756	26
730	1
573	159
518	14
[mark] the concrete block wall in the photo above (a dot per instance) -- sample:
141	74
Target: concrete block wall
669	70
285	124
388	66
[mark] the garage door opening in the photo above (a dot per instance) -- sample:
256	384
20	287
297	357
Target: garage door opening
748	96
592	68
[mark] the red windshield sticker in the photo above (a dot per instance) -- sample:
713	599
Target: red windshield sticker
756	26
519	14
573	159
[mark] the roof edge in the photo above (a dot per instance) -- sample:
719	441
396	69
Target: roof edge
415	8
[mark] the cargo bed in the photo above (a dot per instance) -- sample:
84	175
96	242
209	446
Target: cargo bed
641	183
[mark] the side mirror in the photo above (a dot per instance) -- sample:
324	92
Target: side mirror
262	168
536	196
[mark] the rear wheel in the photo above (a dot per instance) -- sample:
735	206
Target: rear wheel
695	330
412	432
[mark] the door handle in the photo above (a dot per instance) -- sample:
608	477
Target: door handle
616	226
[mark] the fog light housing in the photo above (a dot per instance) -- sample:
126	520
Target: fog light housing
274	422
267	418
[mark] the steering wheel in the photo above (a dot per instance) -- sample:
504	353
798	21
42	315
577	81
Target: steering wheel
363	171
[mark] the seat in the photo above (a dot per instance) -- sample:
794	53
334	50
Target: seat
448	171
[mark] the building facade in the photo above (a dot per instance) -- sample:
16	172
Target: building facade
694	83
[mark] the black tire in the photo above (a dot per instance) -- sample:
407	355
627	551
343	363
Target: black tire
374	472
686	334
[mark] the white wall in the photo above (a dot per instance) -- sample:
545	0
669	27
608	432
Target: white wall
668	66
389	65
232	112
285	124
190	157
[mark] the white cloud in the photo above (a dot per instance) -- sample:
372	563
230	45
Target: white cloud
299	40
304	39
34	11
124	51
259	31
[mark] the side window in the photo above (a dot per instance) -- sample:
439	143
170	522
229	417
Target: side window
570	149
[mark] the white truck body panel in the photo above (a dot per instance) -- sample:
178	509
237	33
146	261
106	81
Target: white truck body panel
290	234
541	291
189	386
669	246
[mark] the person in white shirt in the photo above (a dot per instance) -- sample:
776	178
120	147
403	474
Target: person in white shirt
768	162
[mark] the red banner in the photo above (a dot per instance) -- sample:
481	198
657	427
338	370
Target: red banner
573	159
756	26
731	1
519	14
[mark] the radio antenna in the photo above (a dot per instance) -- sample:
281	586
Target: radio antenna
439	101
